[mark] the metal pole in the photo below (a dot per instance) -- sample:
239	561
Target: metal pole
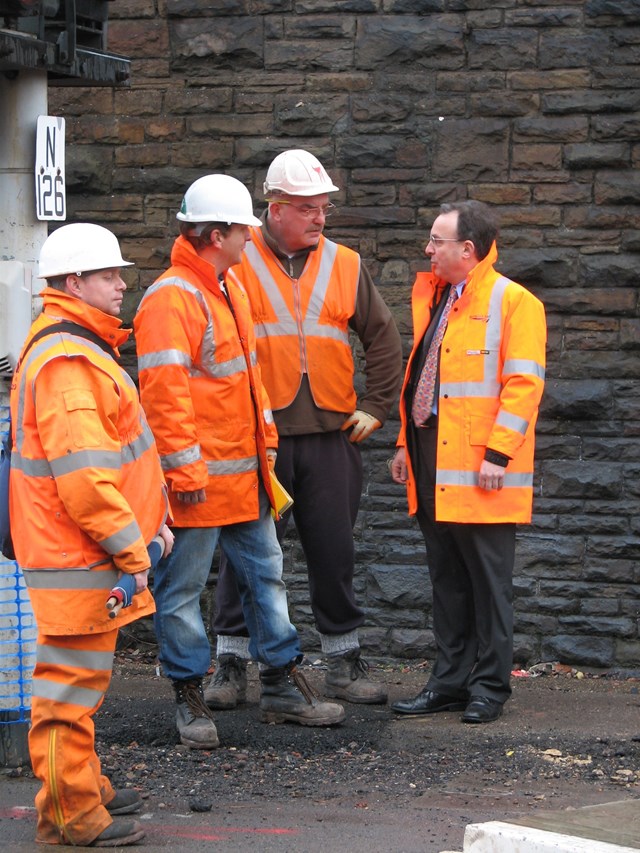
23	97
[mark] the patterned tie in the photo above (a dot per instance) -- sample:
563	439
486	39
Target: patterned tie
423	397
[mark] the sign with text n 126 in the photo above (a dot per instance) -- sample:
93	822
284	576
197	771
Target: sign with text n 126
50	182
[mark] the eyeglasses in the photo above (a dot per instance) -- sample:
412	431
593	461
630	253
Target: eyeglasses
438	241
309	212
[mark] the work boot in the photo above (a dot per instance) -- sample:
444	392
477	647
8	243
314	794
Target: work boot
126	801
348	678
287	697
193	719
228	685
119	834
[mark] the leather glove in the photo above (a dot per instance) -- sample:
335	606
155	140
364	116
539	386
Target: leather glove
363	425
271	458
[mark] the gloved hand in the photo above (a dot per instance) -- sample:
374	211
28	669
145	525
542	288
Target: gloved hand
271	458
363	425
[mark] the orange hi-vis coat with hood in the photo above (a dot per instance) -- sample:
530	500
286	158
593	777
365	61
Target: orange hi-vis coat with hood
305	327
87	497
492	366
87	491
202	390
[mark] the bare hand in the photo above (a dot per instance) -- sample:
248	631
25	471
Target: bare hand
141	579
197	497
166	534
491	476
398	466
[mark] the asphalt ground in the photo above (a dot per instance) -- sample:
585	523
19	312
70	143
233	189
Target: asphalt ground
378	782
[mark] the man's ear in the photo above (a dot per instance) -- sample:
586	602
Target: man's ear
215	238
72	284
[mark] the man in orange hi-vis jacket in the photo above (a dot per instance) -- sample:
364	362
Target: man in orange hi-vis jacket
87	498
468	411
202	391
308	295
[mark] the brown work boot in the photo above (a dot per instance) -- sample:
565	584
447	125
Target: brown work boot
119	834
228	685
348	678
287	697
193	719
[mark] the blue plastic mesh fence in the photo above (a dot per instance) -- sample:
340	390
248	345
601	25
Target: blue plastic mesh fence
17	635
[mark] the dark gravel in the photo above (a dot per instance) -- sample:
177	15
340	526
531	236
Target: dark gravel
560	731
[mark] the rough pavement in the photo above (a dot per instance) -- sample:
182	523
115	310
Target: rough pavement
378	782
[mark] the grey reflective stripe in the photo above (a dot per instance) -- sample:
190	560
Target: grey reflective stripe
94	458
470	478
511	421
162	358
490	384
62	656
30	467
56	691
139	446
287	324
85	458
208	366
124	538
524	366
80	578
233	466
180	458
41	346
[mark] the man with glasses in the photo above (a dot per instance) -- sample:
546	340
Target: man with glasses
468	411
307	293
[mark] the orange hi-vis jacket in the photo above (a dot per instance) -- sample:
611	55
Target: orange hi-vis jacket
87	491
492	365
302	324
202	391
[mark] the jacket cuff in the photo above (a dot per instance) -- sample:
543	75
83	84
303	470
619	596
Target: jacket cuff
496	458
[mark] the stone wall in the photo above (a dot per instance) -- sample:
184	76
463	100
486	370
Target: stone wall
531	106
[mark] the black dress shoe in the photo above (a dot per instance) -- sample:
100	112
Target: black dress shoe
428	702
481	709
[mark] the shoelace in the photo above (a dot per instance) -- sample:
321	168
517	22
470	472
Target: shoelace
192	695
303	686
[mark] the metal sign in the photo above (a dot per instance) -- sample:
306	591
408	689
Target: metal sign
51	200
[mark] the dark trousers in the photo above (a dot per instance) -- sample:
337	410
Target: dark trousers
323	474
471	570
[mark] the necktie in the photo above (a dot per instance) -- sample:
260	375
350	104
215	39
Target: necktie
425	389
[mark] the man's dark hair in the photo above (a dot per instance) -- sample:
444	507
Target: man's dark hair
476	222
199	241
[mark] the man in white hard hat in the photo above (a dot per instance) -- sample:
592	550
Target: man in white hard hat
307	293
202	391
87	497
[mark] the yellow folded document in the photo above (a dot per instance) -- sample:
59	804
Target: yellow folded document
282	497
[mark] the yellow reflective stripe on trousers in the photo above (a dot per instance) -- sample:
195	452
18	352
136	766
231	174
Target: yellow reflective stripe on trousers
53	783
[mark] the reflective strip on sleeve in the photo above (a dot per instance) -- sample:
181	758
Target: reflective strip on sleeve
80	578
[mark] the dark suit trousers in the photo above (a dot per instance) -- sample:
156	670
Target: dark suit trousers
471	570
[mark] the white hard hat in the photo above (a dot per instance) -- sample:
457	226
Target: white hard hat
218	198
297	172
77	248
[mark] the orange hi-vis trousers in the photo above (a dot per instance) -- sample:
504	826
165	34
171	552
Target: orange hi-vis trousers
70	679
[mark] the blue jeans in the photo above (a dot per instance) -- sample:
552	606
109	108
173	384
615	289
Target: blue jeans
179	579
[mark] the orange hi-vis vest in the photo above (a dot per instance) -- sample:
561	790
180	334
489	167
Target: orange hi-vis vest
492	367
202	391
87	491
302	325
